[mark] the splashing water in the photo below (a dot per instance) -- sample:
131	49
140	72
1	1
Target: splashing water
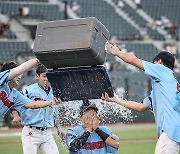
108	113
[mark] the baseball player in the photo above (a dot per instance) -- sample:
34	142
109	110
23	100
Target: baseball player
162	101
9	79
37	123
90	137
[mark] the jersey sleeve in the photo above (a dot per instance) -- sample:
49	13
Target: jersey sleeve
70	136
20	101
148	102
3	76
176	103
25	92
155	71
108	147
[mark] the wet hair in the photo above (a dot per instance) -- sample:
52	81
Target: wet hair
40	69
167	59
8	66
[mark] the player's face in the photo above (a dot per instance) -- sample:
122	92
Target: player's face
90	113
15	82
43	81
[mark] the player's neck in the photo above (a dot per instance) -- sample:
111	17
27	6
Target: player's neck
47	89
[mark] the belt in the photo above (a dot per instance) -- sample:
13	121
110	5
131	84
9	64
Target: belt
39	128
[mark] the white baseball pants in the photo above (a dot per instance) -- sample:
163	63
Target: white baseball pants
32	139
166	146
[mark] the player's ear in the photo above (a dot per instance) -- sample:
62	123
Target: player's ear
160	61
36	76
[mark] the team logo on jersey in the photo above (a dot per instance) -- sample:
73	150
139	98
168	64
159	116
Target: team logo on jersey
5	100
38	99
93	145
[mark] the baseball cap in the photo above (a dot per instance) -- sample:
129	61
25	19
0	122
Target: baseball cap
86	106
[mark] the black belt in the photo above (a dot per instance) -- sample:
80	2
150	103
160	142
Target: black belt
39	128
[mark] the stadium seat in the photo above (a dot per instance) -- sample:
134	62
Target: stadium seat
10	49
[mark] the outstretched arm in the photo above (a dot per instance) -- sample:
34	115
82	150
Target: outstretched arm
24	67
127	57
128	104
39	104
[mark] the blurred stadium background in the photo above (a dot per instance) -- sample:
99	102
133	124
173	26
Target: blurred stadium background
142	27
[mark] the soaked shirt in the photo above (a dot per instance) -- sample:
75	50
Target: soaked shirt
10	97
94	143
163	99
41	117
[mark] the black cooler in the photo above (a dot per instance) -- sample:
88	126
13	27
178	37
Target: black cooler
80	83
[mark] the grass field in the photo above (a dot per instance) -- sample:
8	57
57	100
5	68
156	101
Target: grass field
135	139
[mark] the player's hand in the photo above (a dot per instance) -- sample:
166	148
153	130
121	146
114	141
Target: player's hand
87	122
114	137
105	97
108	47
60	133
16	122
56	101
62	136
95	123
115	50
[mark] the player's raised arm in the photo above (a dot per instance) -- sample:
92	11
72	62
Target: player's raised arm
126	57
128	104
24	67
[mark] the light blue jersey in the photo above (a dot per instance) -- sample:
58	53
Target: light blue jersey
10	97
163	97
41	117
94	143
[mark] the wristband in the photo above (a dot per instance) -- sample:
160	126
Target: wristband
86	134
102	134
